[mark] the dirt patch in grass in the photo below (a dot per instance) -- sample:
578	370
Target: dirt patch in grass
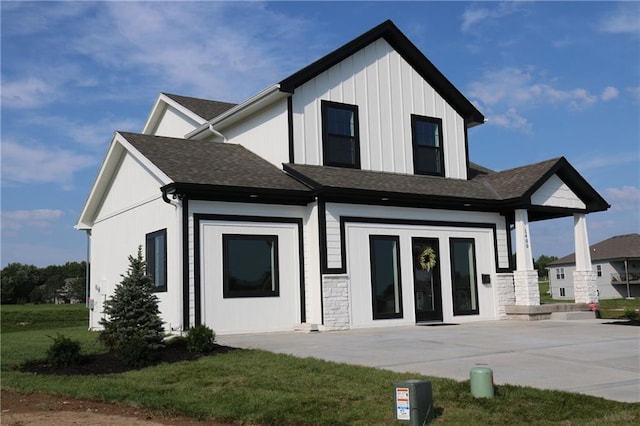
112	362
40	409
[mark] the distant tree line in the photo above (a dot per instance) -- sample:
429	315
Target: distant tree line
53	284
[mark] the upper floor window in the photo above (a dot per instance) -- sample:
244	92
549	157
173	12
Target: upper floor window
599	270
428	156
340	135
560	273
156	257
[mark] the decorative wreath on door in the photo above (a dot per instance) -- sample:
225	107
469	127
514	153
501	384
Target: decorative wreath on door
427	259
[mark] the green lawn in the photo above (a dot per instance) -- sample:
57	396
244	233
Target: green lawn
253	386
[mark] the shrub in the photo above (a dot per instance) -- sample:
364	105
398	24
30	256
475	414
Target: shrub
200	339
64	351
133	324
630	314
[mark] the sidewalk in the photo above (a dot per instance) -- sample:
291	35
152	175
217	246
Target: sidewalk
592	357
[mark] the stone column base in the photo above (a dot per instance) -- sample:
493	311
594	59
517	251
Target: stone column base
526	288
505	293
336	303
585	289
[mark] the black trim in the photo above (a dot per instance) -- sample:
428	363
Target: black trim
185	263
327	137
199	217
407	50
150	245
375	314
473	280
466	148
292	158
228	292
417	149
322	245
387	221
239	194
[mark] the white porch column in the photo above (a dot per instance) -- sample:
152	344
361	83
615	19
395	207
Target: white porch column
525	277
585	288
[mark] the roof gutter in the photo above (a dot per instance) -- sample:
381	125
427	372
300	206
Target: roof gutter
254	103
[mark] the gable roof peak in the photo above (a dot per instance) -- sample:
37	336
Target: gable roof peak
401	44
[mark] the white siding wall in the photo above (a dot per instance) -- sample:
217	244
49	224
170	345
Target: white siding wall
265	133
121	226
250	314
310	247
335	211
174	124
605	288
387	91
360	274
554	192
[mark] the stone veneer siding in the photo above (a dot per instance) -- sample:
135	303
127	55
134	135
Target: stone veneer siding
505	293
527	289
585	289
336	303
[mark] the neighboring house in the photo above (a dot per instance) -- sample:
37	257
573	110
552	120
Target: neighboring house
616	262
340	197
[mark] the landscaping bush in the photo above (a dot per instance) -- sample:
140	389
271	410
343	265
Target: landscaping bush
200	339
64	351
133	324
630	314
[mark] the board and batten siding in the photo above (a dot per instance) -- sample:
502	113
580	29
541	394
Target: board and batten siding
334	211
555	193
264	133
387	90
360	272
133	207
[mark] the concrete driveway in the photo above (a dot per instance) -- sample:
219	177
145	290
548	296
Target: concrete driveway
592	357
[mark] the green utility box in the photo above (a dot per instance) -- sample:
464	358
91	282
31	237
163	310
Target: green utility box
413	402
481	382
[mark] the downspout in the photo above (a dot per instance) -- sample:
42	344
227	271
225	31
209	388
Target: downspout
87	272
176	201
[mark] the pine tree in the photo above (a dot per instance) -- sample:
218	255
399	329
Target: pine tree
133	323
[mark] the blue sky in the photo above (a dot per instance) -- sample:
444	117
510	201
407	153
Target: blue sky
553	79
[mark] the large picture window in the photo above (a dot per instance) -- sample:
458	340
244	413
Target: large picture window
386	290
464	276
156	257
340	135
428	156
250	265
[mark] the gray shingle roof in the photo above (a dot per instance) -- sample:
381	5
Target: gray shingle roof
211	163
324	177
205	108
618	247
516	182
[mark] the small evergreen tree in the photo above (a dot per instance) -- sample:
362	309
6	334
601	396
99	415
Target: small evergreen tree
133	316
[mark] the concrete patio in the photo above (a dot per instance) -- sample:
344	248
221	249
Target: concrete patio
593	357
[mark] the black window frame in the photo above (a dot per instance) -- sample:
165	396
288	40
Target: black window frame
474	278
559	273
227	291
375	314
598	270
150	259
417	148
327	137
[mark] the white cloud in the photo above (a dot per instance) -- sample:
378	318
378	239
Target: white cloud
627	193
39	218
27	93
609	93
634	92
625	19
474	15
37	165
607	160
505	93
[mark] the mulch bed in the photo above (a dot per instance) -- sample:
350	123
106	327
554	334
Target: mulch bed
112	362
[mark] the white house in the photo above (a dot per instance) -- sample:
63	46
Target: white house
616	262
341	197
